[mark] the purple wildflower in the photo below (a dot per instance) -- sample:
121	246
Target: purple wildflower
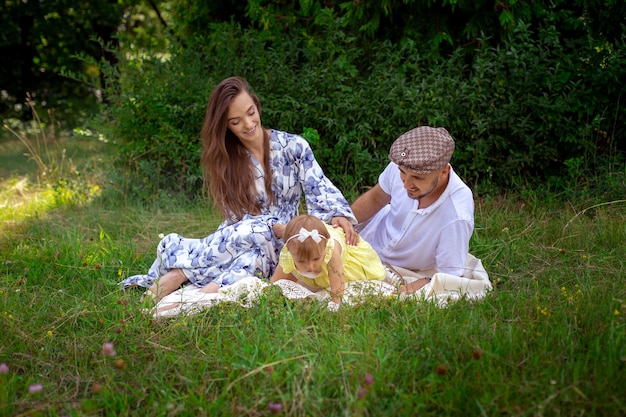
34	388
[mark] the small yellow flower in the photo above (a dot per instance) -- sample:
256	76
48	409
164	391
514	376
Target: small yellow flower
119	272
616	312
49	333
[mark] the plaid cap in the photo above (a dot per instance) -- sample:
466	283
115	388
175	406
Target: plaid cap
423	149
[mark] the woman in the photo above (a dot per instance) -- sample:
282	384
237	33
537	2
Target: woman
256	177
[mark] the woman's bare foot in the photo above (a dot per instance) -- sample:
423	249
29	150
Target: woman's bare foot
210	288
148	298
170	306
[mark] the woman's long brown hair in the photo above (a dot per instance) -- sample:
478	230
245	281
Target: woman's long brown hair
228	170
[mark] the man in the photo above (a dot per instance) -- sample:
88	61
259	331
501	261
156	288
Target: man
420	215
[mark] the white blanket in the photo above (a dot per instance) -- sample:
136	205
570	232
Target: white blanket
441	289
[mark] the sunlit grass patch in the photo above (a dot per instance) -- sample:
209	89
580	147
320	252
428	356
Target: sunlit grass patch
22	204
43	172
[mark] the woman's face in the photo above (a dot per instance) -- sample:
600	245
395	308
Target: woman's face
244	119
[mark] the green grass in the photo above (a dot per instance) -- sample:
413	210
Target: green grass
550	340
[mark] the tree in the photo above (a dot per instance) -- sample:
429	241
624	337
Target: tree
41	39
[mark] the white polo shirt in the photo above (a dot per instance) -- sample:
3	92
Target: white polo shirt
435	237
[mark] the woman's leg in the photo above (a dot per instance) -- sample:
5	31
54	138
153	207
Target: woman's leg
167	284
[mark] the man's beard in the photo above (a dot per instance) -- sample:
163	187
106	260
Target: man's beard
433	185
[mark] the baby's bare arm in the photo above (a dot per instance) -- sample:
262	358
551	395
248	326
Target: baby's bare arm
280	274
336	275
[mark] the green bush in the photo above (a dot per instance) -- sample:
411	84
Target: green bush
154	120
522	112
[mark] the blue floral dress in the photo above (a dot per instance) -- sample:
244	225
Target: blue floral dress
248	247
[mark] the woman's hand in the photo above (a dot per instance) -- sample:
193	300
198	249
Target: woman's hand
279	230
352	237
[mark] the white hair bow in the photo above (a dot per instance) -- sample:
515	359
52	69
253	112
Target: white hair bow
304	234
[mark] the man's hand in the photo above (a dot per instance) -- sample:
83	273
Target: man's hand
414	286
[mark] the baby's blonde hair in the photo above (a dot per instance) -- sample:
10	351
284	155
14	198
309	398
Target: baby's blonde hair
308	248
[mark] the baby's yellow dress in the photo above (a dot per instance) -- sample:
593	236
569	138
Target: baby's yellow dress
360	262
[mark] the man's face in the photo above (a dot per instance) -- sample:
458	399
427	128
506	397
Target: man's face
418	186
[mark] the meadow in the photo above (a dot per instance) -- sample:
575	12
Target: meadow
549	340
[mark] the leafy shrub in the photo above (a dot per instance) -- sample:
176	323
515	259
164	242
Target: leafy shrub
521	111
155	120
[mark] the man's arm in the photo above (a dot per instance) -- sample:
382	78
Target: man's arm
369	203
